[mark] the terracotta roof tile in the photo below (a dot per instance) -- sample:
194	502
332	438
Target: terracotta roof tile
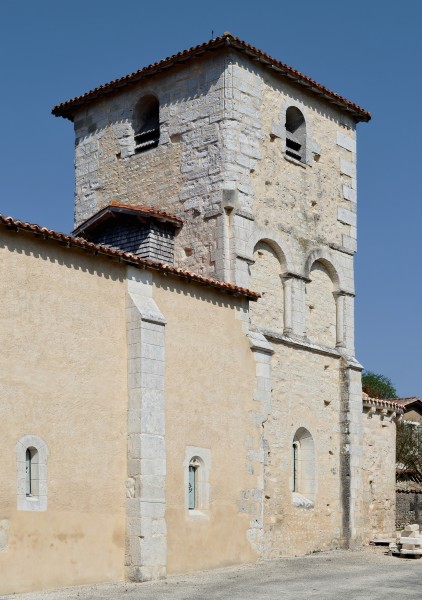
141	210
407	401
150	211
226	40
82	244
391	404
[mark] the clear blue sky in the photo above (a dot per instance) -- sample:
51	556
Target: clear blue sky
368	51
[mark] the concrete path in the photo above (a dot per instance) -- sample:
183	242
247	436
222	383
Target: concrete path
339	575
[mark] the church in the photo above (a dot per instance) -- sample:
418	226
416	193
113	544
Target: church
180	390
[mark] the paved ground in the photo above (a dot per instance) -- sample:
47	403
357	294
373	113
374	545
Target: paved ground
340	575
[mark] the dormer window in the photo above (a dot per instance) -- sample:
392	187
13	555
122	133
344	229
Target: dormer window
141	230
295	134
147	124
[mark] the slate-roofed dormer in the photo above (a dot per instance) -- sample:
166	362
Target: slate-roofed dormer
141	230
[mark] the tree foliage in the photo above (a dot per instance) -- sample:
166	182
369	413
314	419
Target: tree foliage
409	447
378	386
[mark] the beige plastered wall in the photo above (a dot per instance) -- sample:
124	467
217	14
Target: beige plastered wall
210	378
63	361
306	393
379	474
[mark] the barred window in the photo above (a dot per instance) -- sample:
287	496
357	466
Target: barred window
147	124
295	134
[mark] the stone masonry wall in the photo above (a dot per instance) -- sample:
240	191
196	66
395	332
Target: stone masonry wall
305	394
379	473
320	307
182	175
221	164
408	508
222	130
266	277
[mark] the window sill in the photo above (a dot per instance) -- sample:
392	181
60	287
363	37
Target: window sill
197	514
294	161
32	503
301	502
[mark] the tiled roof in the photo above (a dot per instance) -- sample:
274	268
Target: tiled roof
392	404
116	207
227	40
69	241
408	401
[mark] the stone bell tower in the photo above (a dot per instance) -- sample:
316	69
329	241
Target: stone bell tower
259	161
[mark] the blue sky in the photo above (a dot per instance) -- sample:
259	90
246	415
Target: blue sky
370	52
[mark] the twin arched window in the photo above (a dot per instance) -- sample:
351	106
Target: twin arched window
146	123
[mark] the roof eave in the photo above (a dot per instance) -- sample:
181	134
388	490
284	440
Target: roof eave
79	243
67	109
111	210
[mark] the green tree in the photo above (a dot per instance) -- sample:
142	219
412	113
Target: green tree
409	447
378	386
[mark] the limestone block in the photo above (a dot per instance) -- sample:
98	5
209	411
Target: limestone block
346	216
347	168
345	141
413	541
410	528
349	243
349	193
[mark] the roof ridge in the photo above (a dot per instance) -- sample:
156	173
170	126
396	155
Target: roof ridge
227	39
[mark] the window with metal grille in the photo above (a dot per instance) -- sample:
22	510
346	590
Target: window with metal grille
31	472
147	124
295	134
194	491
197	465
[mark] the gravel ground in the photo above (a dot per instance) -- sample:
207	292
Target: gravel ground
367	574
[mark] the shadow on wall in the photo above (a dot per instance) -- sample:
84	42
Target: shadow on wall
52	252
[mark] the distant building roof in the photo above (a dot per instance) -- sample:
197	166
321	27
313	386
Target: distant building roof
408	402
227	40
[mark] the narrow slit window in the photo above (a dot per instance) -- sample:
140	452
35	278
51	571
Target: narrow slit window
296	475
192	487
196	469
31	473
28	472
196	498
32	488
